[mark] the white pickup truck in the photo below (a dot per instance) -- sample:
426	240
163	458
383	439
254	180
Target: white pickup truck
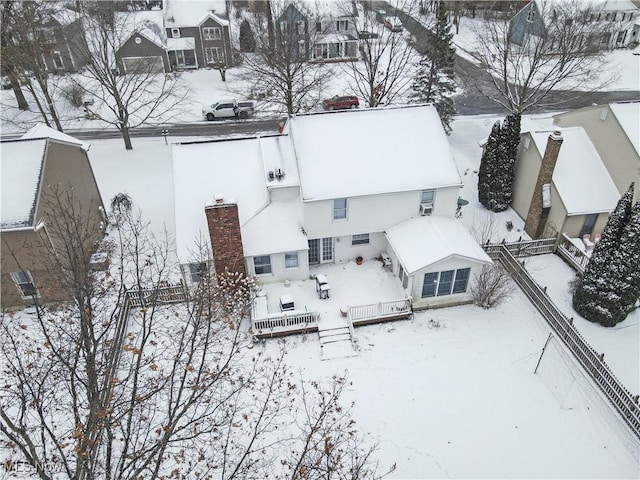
224	109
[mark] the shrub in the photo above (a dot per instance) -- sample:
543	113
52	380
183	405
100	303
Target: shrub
74	94
492	286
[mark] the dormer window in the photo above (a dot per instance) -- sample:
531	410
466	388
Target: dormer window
211	33
175	33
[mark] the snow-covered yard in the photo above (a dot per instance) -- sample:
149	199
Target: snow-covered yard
461	399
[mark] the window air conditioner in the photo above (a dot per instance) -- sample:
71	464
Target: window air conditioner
426	209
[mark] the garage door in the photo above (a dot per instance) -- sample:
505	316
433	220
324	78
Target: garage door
143	64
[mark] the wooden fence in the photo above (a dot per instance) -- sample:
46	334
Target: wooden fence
527	248
573	255
163	294
381	311
592	362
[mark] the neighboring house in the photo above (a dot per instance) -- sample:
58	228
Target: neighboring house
143	48
32	167
197	34
62	41
331	188
561	184
614	130
613	21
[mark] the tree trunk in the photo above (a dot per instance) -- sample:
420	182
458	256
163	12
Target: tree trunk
270	29
124	130
39	105
15	85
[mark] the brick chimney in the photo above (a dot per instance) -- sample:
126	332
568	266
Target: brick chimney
226	239
539	208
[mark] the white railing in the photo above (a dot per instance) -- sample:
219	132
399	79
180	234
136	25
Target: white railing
279	323
573	255
380	311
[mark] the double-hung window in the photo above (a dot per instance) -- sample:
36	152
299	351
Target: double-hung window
291	260
360	239
211	33
262	264
339	208
428	196
196	270
24	282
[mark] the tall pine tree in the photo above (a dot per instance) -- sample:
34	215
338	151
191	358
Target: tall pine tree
487	173
434	82
598	295
497	167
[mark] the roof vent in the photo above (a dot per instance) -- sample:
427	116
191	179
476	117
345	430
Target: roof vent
272	176
279	175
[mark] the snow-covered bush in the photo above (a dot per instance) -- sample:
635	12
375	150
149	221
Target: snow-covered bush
492	286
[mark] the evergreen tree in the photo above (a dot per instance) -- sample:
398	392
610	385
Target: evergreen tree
487	173
434	82
511	135
627	258
599	293
497	167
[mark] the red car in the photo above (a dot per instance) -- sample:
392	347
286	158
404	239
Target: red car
340	103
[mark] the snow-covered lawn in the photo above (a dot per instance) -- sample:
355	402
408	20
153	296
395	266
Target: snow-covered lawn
461	400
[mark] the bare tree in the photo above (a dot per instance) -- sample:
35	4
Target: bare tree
280	71
119	384
485	227
25	41
380	75
492	286
565	54
132	98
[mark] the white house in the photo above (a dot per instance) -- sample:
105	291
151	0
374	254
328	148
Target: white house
332	187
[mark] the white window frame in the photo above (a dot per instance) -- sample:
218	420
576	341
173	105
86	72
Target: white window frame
452	287
302	49
265	266
531	14
22	279
175	32
291	260
342	25
339	212
217	51
195	271
428	196
56	55
360	239
211	33
284	27
300	27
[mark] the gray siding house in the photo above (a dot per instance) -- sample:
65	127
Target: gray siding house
140	54
61	39
197	34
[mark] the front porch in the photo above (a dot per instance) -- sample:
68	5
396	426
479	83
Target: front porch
358	295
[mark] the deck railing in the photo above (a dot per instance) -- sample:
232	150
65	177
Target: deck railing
527	248
593	363
573	255
379	311
280	323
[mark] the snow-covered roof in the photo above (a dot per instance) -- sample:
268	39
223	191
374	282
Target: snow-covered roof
191	13
65	16
40	130
445	237
595	5
329	8
581	179
148	23
183	43
277	228
372	151
628	115
237	169
21	164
